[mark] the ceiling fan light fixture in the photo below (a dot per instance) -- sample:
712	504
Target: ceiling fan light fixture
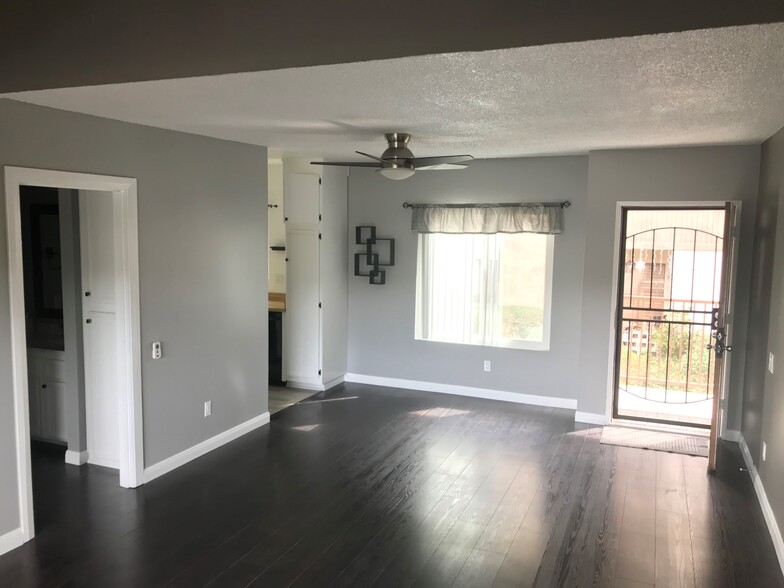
396	172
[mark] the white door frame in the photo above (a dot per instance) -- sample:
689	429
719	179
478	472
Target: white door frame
614	298
126	259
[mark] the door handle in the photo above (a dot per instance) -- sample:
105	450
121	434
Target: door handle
88	321
87	293
719	347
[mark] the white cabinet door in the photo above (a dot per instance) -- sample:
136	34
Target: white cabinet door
52	399
301	199
96	215
302	337
33	386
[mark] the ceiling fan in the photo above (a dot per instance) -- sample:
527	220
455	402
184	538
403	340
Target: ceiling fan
398	163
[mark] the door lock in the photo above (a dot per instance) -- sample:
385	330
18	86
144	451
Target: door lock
719	347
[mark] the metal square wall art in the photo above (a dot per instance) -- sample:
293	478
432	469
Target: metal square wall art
378	252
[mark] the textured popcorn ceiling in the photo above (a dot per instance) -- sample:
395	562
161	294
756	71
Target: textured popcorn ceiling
699	87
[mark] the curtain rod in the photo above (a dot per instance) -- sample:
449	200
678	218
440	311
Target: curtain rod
563	204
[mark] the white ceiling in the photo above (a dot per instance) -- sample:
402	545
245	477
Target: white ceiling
700	87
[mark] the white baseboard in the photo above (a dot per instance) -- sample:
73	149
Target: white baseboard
304	386
731	435
591	418
762	496
175	461
316	387
486	393
11	540
76	458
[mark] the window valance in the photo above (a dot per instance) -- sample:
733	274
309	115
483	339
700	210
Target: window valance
525	217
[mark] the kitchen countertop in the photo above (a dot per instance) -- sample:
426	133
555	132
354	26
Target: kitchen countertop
277	302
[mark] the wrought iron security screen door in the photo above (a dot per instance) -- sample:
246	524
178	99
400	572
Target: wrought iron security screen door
671	286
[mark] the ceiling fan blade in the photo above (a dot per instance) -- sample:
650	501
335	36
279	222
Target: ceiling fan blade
346	163
374	157
420	162
441	167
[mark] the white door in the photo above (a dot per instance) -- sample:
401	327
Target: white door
34	387
302	338
52	400
301	199
722	331
96	217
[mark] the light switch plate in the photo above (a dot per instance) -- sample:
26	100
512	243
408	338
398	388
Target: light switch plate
771	361
157	350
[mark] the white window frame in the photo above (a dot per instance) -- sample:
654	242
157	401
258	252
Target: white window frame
543	345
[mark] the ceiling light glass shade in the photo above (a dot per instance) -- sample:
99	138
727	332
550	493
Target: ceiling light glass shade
396	173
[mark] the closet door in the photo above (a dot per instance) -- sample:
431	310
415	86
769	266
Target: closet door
303	316
34	389
53	410
96	215
301	199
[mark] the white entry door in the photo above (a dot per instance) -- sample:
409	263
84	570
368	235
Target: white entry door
96	217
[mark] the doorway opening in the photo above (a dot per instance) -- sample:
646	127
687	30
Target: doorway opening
109	258
670	288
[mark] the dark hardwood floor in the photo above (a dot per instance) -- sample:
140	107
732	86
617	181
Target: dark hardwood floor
379	487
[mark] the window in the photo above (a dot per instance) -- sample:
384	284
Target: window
491	290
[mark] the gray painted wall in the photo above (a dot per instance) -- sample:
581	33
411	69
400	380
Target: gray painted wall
772	410
381	318
75	429
762	276
203	267
658	175
52	44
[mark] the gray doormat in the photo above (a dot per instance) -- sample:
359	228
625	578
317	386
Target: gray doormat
655	440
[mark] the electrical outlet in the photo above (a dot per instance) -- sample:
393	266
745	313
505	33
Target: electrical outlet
487	365
764	451
771	361
207	408
157	350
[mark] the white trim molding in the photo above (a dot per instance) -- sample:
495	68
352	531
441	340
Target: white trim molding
767	510
180	459
315	387
129	381
11	540
486	393
76	458
590	418
304	386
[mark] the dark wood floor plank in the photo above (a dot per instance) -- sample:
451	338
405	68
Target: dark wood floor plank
367	486
492	490
442	568
408	563
503	526
674	559
480	569
637	557
281	556
522	561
